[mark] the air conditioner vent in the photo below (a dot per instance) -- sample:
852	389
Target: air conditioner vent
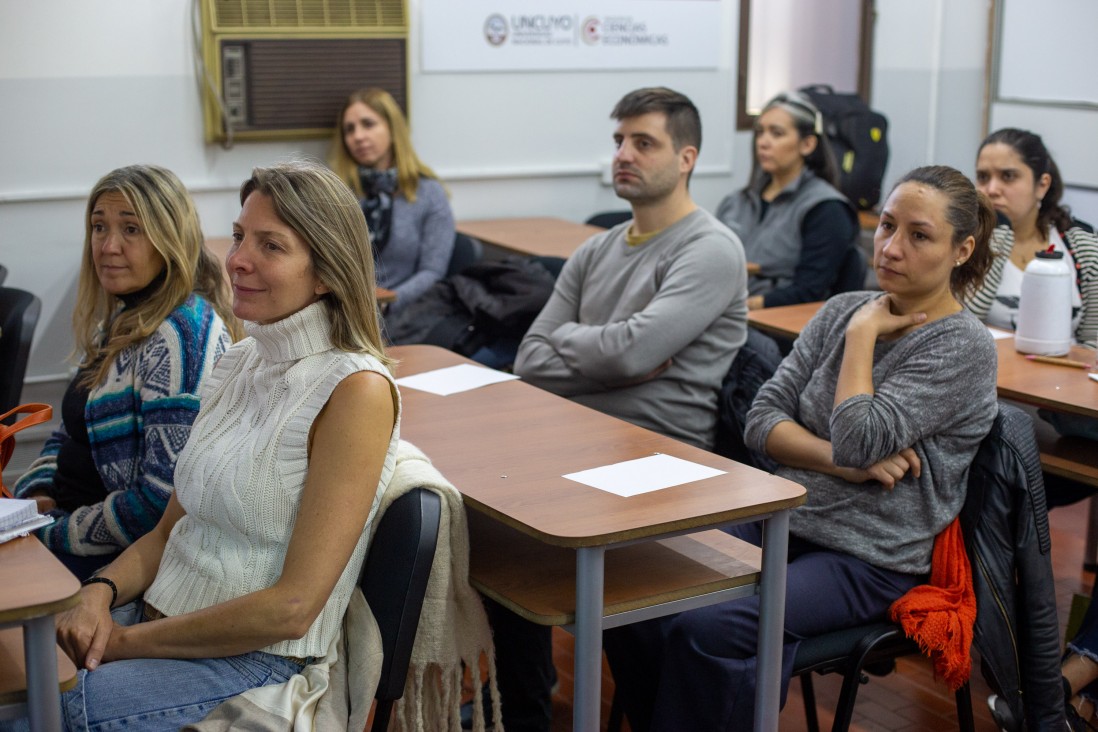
315	16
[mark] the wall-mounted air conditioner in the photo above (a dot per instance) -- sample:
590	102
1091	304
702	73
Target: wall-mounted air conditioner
277	69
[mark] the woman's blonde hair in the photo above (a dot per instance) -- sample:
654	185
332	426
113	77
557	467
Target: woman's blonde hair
170	222
315	203
408	165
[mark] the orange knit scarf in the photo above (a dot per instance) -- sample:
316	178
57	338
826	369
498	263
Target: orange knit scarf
939	616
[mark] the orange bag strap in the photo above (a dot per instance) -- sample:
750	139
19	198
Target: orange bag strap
36	414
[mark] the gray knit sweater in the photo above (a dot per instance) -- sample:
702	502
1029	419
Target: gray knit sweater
934	390
618	312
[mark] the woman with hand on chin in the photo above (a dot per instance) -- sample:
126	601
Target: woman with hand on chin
150	323
792	220
406	208
248	575
878	412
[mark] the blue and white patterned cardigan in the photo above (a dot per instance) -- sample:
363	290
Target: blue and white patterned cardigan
138	420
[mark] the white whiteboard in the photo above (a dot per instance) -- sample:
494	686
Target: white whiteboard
1046	56
1048	51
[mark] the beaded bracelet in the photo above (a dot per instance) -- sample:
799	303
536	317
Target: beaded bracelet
108	583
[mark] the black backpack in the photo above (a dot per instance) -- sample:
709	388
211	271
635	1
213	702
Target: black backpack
859	139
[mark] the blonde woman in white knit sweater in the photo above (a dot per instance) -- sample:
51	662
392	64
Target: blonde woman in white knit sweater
249	573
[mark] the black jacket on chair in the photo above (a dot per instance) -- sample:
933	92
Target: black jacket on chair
1005	525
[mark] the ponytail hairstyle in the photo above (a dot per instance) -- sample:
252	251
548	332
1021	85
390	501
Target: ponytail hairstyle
970	213
1031	149
807	121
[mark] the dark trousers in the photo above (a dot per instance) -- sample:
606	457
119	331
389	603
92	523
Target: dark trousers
696	670
524	669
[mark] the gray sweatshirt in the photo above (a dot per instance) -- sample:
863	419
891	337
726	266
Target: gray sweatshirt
934	390
619	312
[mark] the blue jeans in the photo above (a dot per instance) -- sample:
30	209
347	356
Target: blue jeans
152	694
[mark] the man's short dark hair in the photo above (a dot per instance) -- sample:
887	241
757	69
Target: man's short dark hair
683	121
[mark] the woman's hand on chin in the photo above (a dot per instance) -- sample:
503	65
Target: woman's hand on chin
875	319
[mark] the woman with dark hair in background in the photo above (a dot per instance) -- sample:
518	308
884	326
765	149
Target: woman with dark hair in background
406	208
150	321
1016	172
878	412
792	220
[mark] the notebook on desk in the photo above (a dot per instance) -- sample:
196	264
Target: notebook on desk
18	517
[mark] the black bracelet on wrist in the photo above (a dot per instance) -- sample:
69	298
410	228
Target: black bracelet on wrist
108	583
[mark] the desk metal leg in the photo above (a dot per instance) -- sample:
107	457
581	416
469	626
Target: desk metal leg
43	696
588	662
771	621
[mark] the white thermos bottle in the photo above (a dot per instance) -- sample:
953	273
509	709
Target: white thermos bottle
1044	310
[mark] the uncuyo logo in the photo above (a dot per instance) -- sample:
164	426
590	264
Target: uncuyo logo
495	29
590	30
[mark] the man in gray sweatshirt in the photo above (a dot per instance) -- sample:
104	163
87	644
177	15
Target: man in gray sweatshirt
643	324
646	318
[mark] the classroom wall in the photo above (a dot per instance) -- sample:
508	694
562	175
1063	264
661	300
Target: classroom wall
87	87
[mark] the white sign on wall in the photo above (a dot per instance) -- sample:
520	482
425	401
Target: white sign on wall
566	35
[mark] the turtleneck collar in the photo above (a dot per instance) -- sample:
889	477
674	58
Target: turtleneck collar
306	332
134	299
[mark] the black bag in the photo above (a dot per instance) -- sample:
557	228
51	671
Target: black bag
859	139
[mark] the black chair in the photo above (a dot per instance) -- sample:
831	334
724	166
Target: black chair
852	271
609	219
394	580
467	251
19	312
853	652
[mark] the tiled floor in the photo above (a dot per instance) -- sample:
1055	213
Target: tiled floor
908	699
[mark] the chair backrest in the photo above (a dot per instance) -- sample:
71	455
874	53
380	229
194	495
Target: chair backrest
754	364
467	251
852	271
19	312
394	580
609	219
1005	524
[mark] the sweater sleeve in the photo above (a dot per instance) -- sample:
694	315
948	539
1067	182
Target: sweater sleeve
538	360
39	476
1083	243
778	400
827	232
698	286
435	225
932	390
166	401
1002	241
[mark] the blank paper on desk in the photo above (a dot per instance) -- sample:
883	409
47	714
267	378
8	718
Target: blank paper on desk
643	475
454	379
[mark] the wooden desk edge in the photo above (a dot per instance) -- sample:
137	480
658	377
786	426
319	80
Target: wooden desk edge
20	614
754	512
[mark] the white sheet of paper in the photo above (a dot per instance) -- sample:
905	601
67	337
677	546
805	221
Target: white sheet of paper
454	379
998	334
1093	377
653	473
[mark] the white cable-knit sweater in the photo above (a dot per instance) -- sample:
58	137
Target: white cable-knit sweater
241	474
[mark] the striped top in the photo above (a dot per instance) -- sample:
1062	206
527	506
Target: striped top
1081	243
139	418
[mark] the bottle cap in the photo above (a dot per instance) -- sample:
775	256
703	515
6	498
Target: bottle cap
1050	255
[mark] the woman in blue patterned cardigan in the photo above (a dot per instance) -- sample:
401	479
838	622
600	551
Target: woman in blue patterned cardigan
150	321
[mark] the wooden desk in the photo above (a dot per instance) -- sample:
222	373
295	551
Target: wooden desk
506	447
219	247
785	321
36	587
537	236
